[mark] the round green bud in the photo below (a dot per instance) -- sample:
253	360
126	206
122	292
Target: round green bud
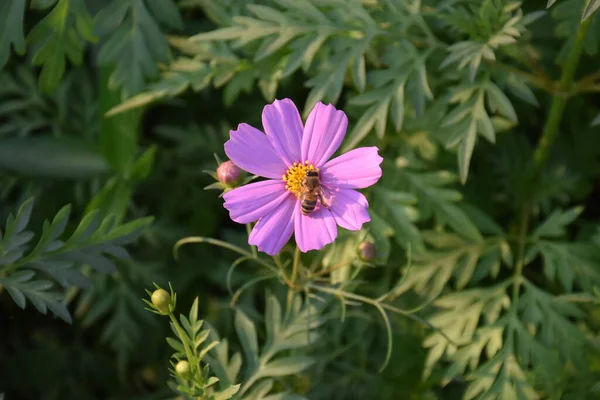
183	369
161	300
367	251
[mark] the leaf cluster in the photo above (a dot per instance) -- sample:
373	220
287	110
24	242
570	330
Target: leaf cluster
258	370
36	271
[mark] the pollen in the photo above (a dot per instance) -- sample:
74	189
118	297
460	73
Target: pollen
294	176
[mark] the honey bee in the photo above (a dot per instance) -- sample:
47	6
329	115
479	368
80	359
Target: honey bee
311	191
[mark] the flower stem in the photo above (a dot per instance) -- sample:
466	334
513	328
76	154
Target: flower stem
295	265
520	263
559	100
557	107
253	248
293	277
220	243
184	339
376	303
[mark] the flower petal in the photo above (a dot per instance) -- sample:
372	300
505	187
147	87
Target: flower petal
357	169
250	150
251	202
324	131
274	230
349	208
314	231
283	127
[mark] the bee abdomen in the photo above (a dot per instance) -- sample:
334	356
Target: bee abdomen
308	206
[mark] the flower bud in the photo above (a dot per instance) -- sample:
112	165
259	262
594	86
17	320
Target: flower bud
367	251
228	173
161	300
183	369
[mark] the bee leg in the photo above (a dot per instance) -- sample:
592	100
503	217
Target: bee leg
322	200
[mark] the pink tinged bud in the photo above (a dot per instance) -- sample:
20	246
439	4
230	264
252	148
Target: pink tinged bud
228	173
367	251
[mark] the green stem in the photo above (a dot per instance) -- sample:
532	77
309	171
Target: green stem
295	265
559	100
253	248
557	108
184	339
375	303
292	280
220	243
520	263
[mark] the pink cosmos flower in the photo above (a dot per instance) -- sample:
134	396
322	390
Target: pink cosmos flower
283	155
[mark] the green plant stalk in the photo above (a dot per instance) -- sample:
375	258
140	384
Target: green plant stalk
557	107
253	248
295	265
374	302
292	280
521	243
559	100
220	243
188	351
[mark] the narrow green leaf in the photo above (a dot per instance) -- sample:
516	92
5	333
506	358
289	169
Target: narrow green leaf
176	345
399	214
268	14
554	226
522	91
227	393
272	319
465	151
591	7
118	135
17	296
128	232
247	334
166	12
397	107
260	391
193	316
23	215
359	73
498	102
12	13
51	157
286	366
113	199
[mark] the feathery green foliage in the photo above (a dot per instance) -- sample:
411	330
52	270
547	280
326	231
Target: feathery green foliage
483	276
25	264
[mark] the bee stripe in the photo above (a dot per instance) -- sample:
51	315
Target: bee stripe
308	206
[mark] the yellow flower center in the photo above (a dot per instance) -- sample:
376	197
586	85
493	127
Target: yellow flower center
295	175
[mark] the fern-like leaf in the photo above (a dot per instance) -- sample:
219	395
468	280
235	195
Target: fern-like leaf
61	34
21	263
134	42
11	28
